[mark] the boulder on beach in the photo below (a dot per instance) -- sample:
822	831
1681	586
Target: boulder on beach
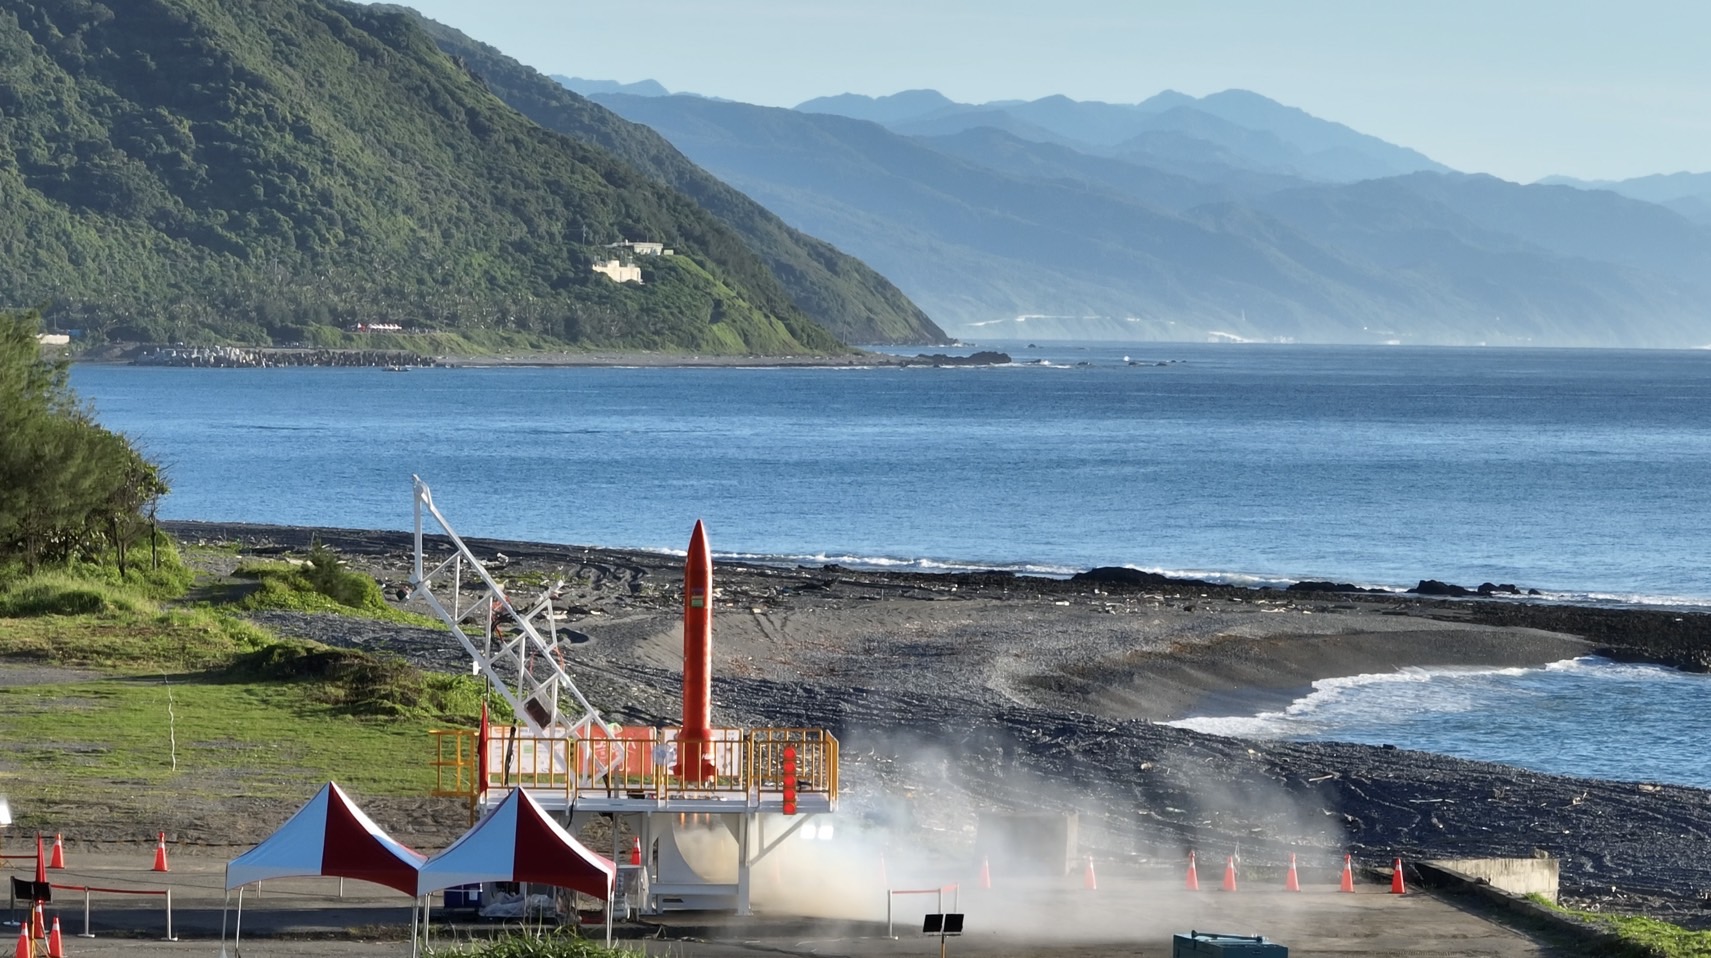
1123	575
1327	586
1434	587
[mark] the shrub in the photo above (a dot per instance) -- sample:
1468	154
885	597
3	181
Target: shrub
327	575
362	683
64	593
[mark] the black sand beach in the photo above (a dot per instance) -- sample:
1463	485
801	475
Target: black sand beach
956	694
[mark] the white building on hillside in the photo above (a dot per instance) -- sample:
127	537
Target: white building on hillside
643	249
619	272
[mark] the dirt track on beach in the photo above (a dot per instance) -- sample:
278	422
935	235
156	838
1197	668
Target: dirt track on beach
956	694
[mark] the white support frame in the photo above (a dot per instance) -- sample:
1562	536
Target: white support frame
526	667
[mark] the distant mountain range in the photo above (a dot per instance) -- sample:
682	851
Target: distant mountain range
591	87
1687	193
1227	216
1235	129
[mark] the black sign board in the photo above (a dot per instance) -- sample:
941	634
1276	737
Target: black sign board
945	924
31	890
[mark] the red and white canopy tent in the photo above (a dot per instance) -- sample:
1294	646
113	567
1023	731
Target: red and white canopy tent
329	836
519	842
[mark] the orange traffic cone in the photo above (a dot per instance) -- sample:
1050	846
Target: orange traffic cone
1292	882
1088	880
57	860
985	872
56	945
160	854
636	851
1396	885
1193	879
1230	874
26	948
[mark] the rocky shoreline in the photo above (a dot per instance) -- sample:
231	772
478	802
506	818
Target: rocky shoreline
267	357
961	693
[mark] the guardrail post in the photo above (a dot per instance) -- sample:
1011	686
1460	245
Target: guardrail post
169	936
86	931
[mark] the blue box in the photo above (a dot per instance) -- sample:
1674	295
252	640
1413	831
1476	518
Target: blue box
1205	944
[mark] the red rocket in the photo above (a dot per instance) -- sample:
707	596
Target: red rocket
694	750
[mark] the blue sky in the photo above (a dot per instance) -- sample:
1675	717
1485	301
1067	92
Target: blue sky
1518	88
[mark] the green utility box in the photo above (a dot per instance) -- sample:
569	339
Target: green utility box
1206	944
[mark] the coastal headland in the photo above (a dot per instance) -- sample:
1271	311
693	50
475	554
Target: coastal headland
954	694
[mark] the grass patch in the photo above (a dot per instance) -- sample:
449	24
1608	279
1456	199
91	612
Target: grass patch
64	593
130	640
1649	936
1637	936
80	741
558	943
199	702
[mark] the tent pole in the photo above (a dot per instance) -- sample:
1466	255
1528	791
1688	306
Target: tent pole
609	902
238	927
223	910
415	946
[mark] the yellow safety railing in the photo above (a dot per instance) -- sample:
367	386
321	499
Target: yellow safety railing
633	762
816	759
454	758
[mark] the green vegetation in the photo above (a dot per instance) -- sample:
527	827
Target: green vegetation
62	619
85	739
319	583
360	683
136	689
835	289
69	490
1637	936
276	171
554	944
1651	937
250	712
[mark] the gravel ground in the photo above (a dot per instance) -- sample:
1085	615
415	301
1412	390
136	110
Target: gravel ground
955	694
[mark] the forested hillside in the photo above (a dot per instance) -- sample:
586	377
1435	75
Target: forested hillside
276	170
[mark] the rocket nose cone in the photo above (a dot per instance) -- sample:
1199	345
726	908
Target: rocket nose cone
698	540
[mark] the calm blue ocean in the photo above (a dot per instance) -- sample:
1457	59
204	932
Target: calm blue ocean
1581	473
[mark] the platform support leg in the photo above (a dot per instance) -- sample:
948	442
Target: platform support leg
743	825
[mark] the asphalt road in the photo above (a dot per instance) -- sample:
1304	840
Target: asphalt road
1127	915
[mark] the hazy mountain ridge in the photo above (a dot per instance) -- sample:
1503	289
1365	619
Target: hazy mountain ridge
1686	193
1217	243
586	87
1264	134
